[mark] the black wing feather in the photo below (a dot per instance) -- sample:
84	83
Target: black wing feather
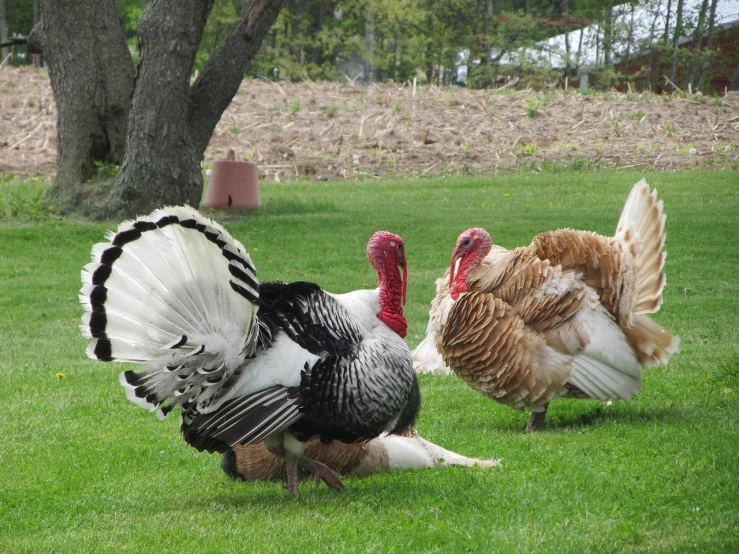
407	419
244	420
313	319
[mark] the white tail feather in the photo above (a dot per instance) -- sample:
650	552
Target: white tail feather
171	289
426	357
653	344
443	457
601	381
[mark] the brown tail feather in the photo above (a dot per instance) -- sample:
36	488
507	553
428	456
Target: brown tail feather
642	228
652	343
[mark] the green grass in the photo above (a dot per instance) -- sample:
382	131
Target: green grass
83	470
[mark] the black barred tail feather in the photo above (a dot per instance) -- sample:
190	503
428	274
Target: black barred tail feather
175	291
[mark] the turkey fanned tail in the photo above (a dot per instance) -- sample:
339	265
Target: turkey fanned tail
175	291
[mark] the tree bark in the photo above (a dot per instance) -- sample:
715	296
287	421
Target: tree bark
171	121
705	66
652	46
369	44
676	39
223	73
92	78
3	32
697	39
161	165
607	34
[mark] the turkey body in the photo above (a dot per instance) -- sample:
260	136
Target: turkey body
246	361
566	316
388	452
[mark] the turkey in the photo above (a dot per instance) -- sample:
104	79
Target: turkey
384	453
565	316
245	361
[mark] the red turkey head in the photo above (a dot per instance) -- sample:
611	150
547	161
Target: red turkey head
472	246
386	253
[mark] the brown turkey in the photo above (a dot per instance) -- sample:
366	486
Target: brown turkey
565	316
387	452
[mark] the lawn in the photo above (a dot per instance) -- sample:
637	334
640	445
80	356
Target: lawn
84	470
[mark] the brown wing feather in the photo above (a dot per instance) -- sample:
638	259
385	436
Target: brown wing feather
604	264
544	295
487	343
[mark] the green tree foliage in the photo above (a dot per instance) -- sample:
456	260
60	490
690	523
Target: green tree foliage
402	39
130	11
19	15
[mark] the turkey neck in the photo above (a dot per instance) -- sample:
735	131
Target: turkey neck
392	296
466	267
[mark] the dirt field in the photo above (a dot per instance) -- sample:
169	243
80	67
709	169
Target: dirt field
342	131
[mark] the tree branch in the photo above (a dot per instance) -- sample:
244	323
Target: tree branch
222	74
14	41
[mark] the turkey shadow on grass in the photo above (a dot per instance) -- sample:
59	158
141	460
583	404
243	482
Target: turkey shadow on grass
274	207
385	487
603	413
564	417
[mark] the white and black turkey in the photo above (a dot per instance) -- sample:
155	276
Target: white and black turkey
247	361
565	316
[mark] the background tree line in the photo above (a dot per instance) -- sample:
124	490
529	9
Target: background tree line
398	40
141	84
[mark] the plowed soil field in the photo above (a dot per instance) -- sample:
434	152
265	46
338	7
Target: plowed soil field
332	131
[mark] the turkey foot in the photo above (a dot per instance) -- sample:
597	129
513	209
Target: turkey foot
536	421
321	472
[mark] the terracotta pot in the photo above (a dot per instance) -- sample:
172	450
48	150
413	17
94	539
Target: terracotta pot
233	186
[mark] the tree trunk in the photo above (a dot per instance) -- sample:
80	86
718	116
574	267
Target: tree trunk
160	127
697	39
430	61
564	8
652	47
676	38
706	66
630	36
3	32
161	164
171	121
668	14
219	81
369	44
92	78
607	35
36	19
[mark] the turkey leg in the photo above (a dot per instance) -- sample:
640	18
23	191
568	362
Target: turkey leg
536	421
292	460
320	471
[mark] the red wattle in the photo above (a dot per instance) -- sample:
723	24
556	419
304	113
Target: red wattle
392	294
459	287
395	321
